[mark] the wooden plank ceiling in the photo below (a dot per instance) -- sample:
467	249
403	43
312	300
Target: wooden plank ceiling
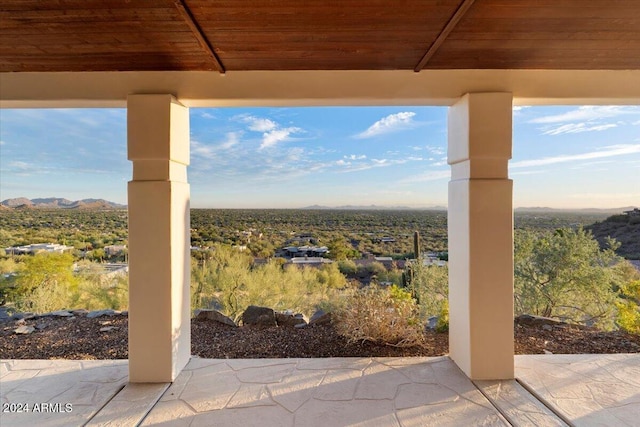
229	35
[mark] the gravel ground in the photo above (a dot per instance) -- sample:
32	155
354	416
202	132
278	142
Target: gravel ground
81	338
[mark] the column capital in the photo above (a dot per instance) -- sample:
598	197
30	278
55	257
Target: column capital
479	127
157	128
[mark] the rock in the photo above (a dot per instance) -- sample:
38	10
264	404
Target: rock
99	313
547	352
432	322
24	329
41	326
59	313
530	320
289	319
259	316
215	315
301	325
547	327
320	318
108	328
79	311
20	322
23	316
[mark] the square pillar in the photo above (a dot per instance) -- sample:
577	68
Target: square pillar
159	238
480	218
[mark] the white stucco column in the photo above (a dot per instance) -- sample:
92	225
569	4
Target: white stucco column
159	245
481	236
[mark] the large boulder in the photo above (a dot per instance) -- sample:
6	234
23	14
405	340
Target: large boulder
24	329
288	319
320	318
215	315
259	316
100	313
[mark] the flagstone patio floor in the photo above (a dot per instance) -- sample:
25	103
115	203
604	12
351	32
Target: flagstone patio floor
549	390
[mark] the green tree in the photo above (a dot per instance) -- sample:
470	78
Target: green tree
565	274
629	307
46	283
338	249
430	284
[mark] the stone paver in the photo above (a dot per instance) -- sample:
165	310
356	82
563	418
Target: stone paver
71	392
518	405
323	392
588	390
582	390
130	406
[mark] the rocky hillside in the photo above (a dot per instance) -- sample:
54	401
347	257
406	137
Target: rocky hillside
59	203
625	228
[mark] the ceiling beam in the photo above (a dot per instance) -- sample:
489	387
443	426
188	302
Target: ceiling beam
198	33
457	16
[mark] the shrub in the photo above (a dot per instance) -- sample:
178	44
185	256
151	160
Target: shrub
347	267
374	314
629	308
443	318
229	279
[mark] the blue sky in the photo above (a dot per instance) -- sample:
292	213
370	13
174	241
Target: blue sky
563	157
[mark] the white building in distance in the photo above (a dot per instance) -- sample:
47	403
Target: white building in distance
37	248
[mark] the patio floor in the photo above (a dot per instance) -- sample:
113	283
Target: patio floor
551	390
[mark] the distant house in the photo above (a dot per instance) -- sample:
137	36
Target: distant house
37	248
633	212
307	262
304	251
114	250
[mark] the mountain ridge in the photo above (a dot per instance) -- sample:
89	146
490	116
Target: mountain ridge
59	203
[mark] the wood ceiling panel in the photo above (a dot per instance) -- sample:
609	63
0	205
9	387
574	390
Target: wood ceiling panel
36	5
92	35
100	62
560	34
88	35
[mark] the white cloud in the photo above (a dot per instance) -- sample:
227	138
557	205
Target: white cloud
390	123
605	196
355	157
343	163
427	176
257	124
528	172
20	166
2	142
578	128
271	138
587	113
438	151
262	125
272	132
210	151
613	150
206	115
232	139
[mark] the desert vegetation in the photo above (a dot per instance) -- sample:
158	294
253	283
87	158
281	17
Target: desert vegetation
561	270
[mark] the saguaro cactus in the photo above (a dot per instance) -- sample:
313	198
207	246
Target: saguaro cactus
416	245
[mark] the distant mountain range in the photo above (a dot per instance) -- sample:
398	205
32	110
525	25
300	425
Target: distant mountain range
374	207
608	211
59	203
